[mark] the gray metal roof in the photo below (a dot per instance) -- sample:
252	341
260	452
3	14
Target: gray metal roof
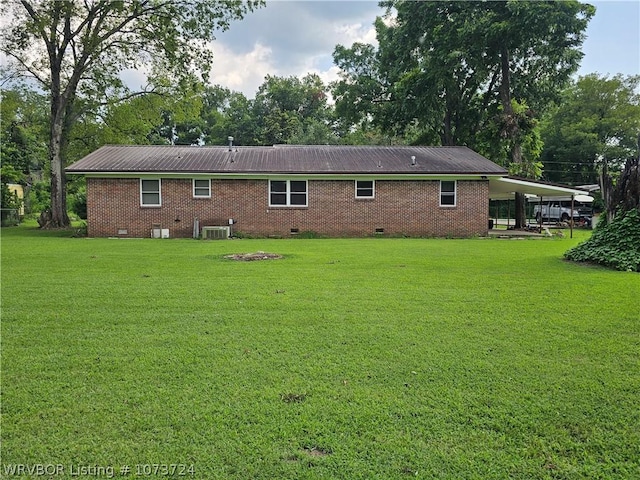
320	159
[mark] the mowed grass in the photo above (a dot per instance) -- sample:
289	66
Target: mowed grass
347	359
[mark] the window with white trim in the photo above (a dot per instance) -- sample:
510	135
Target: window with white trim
150	192
447	193
365	188
201	188
287	193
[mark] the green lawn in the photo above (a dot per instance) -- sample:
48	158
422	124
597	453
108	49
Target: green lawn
347	359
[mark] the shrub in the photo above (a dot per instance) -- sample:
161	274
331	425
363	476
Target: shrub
39	197
79	203
614	245
81	230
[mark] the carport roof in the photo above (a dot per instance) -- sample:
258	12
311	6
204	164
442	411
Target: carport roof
504	188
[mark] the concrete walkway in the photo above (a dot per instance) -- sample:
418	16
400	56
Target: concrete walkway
515	233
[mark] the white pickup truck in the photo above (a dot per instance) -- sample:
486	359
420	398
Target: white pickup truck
560	210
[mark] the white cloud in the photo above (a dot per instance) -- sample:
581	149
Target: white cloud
244	71
356	32
241	72
290	39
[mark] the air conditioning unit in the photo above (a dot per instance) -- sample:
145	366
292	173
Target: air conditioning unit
216	233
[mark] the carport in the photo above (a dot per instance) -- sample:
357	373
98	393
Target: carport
505	188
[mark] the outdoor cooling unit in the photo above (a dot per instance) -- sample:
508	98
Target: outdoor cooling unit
216	233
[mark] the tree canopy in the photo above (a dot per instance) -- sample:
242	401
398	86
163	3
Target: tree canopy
449	67
76	48
494	76
456	71
23	132
595	122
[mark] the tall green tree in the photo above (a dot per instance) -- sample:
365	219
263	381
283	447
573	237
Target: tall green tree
366	96
239	121
23	130
181	108
75	48
291	109
596	122
23	139
452	69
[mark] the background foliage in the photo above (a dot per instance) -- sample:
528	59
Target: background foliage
422	84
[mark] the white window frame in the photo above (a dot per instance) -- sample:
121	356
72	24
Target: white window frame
208	180
447	194
373	189
289	193
159	192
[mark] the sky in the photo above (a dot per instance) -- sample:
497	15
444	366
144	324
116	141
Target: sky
298	37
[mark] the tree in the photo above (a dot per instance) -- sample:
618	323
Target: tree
78	48
23	130
291	109
595	124
365	97
181	112
239	121
453	68
23	133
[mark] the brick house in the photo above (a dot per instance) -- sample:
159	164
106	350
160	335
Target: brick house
175	191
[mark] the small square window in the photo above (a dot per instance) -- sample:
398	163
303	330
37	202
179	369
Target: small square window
202	188
447	193
364	189
150	193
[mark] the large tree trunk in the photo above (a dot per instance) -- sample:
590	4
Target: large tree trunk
625	194
511	131
58	212
607	191
629	185
57	216
447	136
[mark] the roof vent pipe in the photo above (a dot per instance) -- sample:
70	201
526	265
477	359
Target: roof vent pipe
230	143
413	160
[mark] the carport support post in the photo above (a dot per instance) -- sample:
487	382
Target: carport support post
571	217
540	213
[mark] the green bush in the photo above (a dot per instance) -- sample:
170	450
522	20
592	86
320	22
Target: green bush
78	203
39	197
614	245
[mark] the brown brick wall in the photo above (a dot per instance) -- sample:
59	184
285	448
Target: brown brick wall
400	208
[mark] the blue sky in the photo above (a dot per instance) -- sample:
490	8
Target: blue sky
297	37
613	39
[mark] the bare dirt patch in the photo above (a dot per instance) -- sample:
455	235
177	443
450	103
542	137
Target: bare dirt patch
293	397
251	257
317	452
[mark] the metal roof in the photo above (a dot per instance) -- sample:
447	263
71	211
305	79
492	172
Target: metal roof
285	159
